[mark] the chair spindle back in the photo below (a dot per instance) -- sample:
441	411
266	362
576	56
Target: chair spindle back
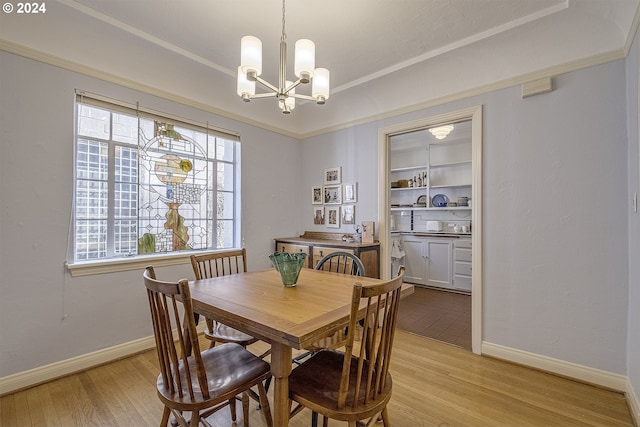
174	348
341	262
219	263
374	354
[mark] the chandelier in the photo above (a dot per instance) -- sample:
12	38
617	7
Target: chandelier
441	132
251	67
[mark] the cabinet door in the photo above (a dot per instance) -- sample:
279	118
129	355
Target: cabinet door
292	248
414	260
322	251
439	263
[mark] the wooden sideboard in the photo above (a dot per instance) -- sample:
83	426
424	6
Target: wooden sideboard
318	244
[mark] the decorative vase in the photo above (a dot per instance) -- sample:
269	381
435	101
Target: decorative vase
288	265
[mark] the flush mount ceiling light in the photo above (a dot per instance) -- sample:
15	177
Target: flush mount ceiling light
441	132
251	67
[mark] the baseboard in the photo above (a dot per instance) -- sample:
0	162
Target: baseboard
557	366
634	402
41	374
32	377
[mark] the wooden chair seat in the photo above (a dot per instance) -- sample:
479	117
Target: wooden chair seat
230	368
221	333
315	383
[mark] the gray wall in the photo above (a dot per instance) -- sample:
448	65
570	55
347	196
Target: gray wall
557	230
633	129
36	186
555	220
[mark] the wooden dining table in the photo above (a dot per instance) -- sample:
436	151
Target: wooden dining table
288	318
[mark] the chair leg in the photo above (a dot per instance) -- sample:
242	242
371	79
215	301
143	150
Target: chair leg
385	418
264	404
314	419
195	419
325	421
245	409
232	408
165	416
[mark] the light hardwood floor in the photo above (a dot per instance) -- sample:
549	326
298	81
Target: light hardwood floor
435	384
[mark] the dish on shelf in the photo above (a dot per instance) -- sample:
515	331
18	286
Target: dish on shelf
439	201
422	200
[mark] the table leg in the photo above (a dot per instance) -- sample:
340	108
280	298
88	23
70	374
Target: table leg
280	369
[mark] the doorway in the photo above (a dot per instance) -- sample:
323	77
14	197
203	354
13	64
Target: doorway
473	114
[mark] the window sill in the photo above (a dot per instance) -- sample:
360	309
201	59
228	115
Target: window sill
89	268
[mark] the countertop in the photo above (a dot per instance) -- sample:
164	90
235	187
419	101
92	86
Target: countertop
432	234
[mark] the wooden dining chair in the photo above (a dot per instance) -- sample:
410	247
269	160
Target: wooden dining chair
337	262
222	264
354	385
199	383
341	262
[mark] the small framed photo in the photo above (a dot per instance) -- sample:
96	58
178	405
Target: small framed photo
318	215
316	196
333	175
350	193
332	194
332	215
348	214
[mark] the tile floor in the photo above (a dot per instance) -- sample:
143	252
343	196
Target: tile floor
440	315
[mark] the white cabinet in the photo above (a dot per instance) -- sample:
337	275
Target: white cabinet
414	259
462	265
428	261
439	263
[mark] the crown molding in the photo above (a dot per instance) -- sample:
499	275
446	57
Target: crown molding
556	70
46	58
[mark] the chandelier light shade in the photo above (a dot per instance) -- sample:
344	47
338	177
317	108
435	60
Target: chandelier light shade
441	132
251	55
246	88
320	85
305	60
305	70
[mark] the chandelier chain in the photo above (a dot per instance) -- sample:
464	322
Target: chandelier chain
284	34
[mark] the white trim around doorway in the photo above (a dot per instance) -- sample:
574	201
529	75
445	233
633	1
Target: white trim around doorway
475	115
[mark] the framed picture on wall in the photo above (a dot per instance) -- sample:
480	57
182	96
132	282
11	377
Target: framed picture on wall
350	193
332	216
348	214
316	196
333	175
332	194
318	215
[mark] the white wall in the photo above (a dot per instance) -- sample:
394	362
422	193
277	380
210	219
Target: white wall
555	220
36	183
633	124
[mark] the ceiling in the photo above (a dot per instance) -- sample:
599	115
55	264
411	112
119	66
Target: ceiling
385	56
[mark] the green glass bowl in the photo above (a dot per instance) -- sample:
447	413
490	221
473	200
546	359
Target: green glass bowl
288	265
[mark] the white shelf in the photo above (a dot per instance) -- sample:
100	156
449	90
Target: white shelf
409	188
449	185
450	208
444	165
410	208
408	168
420	208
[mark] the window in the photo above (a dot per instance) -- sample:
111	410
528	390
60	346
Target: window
147	184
